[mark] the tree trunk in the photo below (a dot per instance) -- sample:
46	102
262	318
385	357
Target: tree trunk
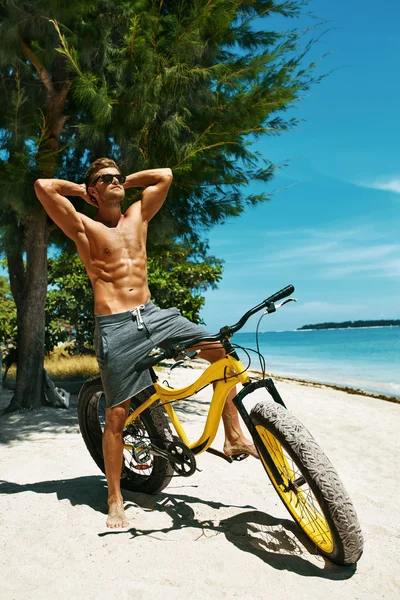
31	304
16	271
31	316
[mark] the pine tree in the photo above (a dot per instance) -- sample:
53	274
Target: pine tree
187	84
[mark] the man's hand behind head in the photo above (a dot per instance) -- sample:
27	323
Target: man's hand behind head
87	197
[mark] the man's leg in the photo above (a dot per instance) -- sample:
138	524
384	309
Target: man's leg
112	452
235	440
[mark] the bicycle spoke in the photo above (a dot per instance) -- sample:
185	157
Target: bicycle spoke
297	494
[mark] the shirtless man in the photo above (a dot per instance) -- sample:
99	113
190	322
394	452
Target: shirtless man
112	247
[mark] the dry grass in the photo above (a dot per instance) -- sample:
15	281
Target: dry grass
72	367
61	366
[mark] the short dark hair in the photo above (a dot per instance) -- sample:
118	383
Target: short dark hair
97	165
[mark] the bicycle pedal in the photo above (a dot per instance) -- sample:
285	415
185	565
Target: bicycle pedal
141	453
220	454
239	457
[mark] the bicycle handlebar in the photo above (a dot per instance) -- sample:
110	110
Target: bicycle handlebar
224	332
283	293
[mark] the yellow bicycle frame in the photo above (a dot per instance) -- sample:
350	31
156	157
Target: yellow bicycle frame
225	373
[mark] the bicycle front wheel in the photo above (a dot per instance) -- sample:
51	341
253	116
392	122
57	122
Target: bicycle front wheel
142	471
312	490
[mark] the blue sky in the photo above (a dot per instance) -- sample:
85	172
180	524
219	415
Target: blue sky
333	228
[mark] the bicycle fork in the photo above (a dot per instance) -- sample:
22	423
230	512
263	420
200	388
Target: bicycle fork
238	402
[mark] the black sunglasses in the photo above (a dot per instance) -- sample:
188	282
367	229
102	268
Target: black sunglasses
109	177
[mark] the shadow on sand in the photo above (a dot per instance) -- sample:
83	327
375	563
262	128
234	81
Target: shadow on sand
277	542
20	425
90	490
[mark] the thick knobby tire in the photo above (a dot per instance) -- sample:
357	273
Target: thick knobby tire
152	423
283	431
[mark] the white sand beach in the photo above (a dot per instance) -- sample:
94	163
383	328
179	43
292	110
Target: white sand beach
222	533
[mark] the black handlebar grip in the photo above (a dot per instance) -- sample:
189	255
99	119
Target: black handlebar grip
286	291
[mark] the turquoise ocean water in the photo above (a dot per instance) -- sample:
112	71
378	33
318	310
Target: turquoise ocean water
367	358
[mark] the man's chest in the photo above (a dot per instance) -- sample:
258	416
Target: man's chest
114	243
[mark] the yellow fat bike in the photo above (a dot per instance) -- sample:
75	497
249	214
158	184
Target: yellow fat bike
156	446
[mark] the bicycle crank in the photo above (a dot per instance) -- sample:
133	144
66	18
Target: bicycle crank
181	458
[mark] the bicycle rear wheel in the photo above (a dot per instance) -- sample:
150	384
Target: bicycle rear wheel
312	491
142	471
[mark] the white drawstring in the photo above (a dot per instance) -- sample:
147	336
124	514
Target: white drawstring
136	313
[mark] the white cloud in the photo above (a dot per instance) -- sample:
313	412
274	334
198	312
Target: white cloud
391	186
329	253
386	184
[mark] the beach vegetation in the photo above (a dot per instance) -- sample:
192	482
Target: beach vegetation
188	85
63	364
354	324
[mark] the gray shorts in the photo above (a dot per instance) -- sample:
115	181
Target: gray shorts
122	339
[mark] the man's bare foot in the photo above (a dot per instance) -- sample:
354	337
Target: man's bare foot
241	446
116	515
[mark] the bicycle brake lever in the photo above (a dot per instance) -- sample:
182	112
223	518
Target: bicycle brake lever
182	356
192	354
272	307
185	354
178	363
285	302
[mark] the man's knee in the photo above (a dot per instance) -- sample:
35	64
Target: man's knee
115	418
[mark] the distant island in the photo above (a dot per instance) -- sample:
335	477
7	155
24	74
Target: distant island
349	324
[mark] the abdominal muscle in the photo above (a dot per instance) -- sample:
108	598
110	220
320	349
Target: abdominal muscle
119	296
121	288
119	281
117	269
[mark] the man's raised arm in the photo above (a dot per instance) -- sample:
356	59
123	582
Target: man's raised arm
51	193
156	183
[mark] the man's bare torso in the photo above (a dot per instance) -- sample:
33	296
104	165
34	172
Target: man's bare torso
115	261
113	245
